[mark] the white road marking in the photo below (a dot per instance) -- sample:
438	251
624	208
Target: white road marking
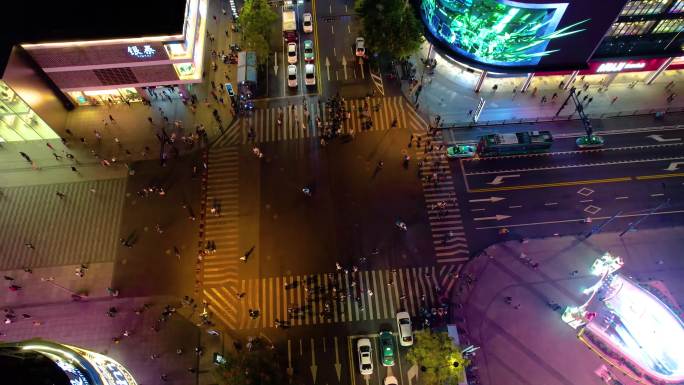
477	209
674	166
515	207
657	195
619	162
551	204
499	179
578	220
497	217
586	200
490	199
619	198
659	138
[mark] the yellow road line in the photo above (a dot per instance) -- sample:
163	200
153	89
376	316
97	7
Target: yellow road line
318	51
660	176
351	360
547	185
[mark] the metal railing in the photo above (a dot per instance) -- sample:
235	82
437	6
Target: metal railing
564	117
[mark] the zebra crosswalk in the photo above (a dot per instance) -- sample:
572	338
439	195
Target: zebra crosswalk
448	236
221	227
330	298
299	120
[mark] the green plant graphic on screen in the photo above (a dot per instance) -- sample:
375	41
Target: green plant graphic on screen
497	32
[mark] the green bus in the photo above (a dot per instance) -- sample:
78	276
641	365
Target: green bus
514	143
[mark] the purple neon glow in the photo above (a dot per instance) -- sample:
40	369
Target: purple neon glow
644	329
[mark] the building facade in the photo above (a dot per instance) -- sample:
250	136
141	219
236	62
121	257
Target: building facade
77	59
544	38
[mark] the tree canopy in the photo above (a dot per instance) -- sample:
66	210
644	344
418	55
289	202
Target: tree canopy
435	353
390	27
256	20
258	364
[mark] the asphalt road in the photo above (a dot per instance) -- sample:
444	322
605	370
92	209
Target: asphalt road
551	193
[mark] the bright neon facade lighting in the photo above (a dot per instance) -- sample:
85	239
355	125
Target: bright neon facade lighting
497	32
641	327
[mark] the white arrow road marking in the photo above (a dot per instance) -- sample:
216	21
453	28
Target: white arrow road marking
338	366
490	199
674	166
314	368
344	66
412	372
659	138
275	63
499	178
494	218
327	67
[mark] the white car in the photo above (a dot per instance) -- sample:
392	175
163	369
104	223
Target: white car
404	327
292	53
390	380
360	47
365	356
309	75
307	23
292	76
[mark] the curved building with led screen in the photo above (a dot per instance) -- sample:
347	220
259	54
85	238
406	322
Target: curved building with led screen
45	362
519	35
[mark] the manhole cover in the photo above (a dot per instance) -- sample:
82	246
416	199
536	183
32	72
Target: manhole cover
591	209
585	192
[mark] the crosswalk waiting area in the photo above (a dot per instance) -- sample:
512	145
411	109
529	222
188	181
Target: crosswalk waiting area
448	235
329	298
298	121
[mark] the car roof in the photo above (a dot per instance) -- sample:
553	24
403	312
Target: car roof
403	314
308	42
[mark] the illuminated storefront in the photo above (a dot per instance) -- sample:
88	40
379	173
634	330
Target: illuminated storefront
18	122
121	70
631	326
79	366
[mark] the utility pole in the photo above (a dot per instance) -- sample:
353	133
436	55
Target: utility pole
597	229
633	226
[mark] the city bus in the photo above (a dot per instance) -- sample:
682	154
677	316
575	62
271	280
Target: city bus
514	143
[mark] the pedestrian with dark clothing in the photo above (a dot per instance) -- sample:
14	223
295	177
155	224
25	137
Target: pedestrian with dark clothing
74	169
28	158
61	195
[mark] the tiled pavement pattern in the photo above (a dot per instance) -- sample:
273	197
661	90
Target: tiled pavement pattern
82	227
448	236
220	267
264	121
272	298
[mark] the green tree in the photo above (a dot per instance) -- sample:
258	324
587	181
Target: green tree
390	27
256	20
436	355
258	364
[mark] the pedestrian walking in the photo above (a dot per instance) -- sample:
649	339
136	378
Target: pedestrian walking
57	157
25	156
74	169
613	100
61	195
29	245
50	146
111	118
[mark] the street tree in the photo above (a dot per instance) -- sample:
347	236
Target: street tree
438	358
390	27
256	20
256	364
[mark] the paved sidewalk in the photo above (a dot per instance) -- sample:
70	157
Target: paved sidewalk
449	93
526	342
86	324
130	137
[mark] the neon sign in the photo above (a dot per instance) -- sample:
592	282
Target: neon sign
146	52
619	66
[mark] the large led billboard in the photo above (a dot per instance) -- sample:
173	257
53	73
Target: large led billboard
529	35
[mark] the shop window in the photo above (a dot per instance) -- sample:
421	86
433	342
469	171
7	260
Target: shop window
630	28
677	7
644	7
669	26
